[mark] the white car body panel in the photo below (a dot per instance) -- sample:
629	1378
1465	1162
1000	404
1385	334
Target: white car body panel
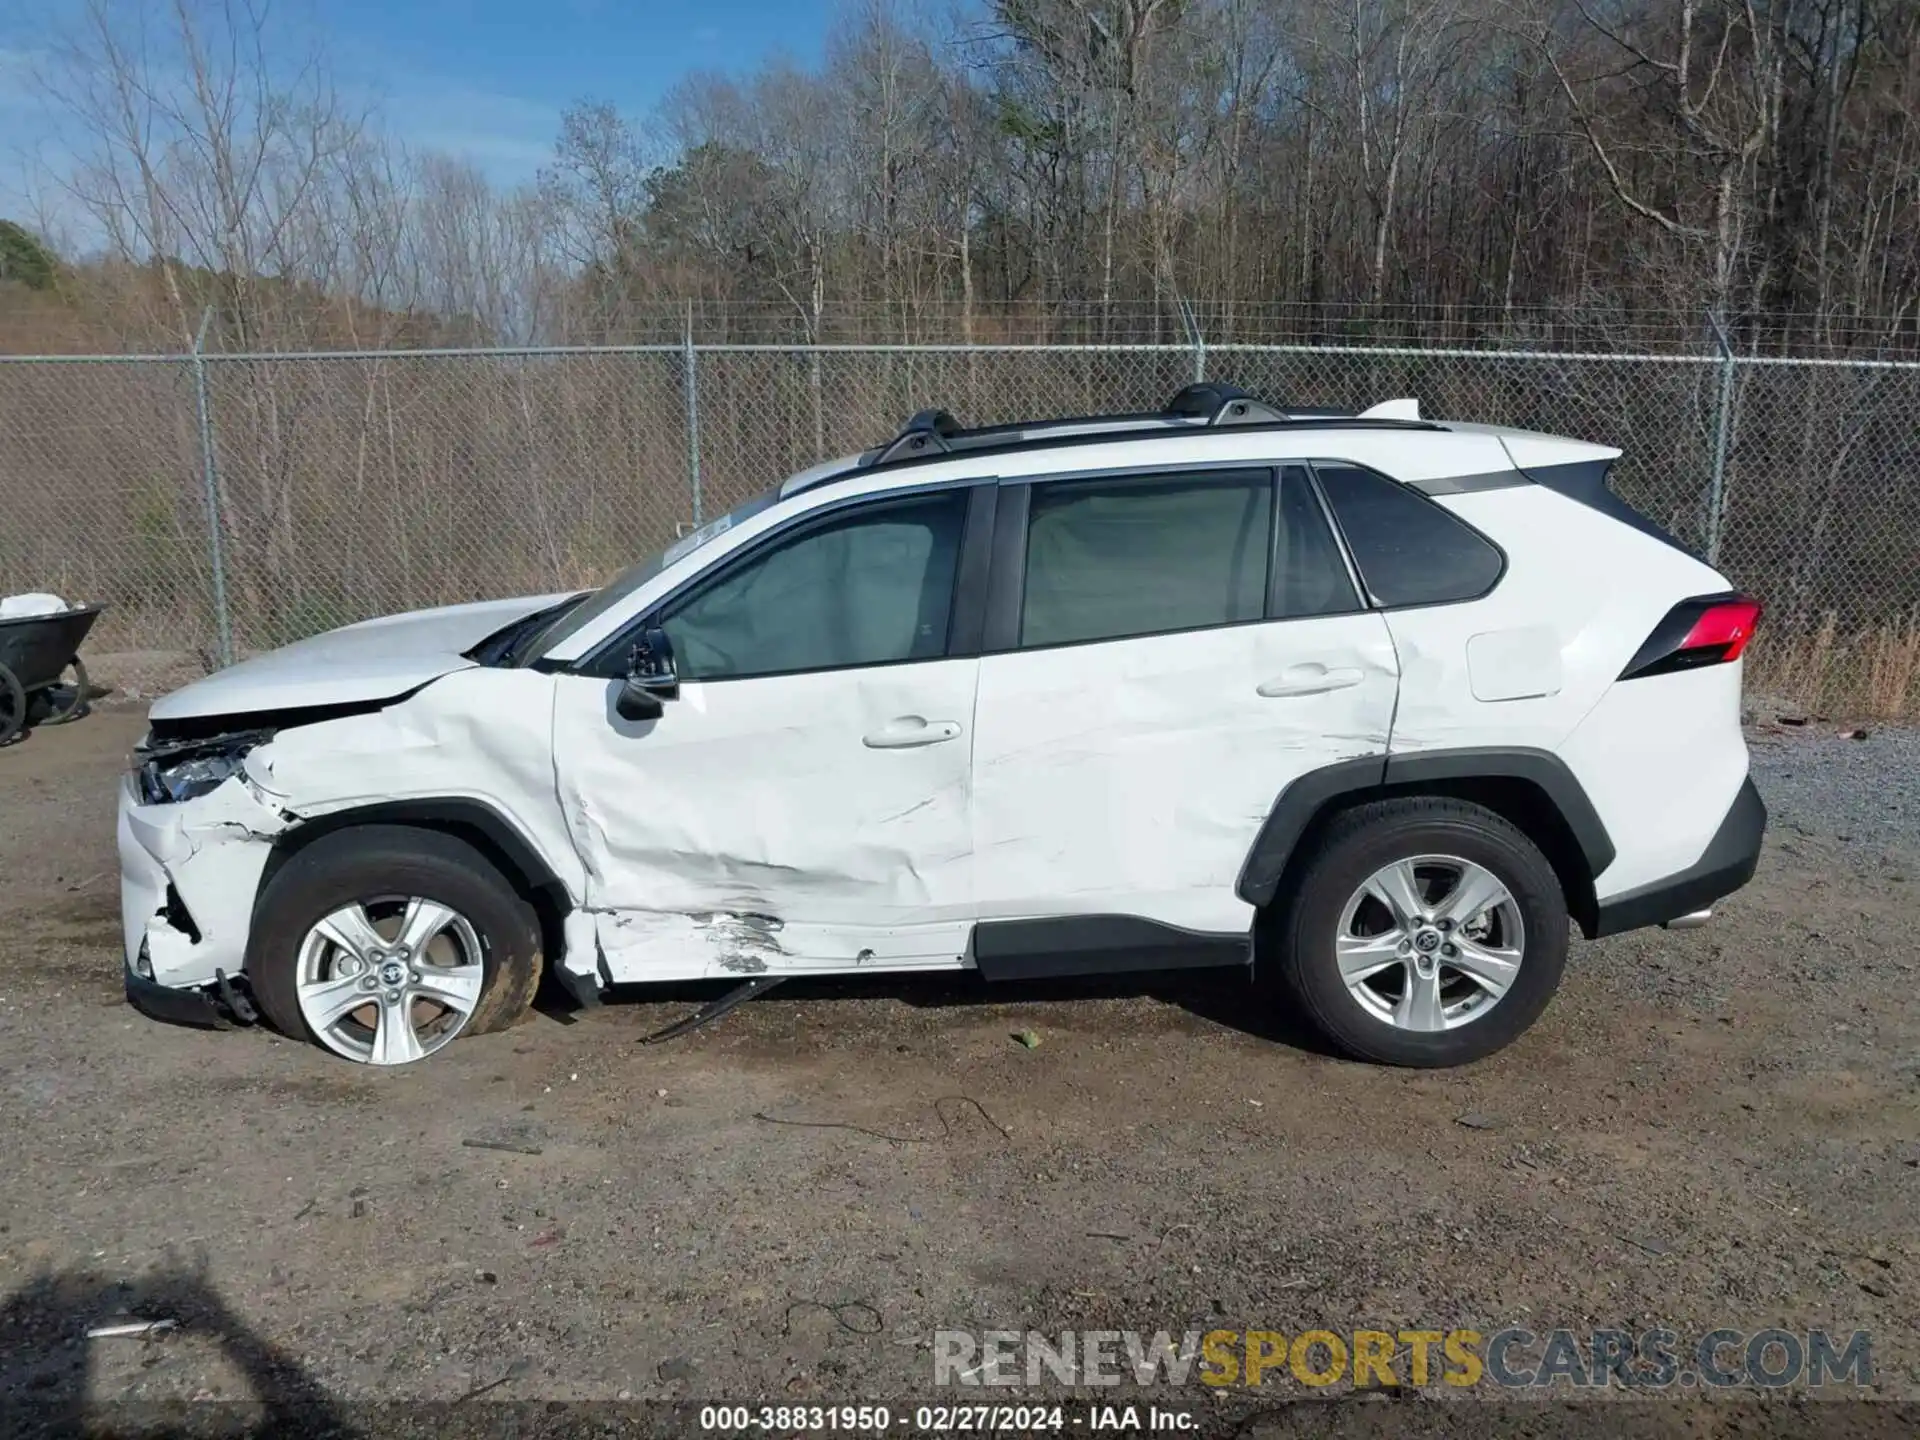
1131	776
1600	595
1597	597
775	824
479	735
1662	763
212	852
374	660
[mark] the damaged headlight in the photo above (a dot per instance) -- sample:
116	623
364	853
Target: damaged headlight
181	771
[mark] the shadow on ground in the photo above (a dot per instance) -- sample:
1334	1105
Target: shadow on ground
47	1361
1224	997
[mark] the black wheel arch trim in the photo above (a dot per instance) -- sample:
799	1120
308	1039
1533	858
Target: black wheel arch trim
466	818
1302	802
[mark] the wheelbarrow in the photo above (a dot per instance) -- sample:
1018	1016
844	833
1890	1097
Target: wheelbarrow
37	653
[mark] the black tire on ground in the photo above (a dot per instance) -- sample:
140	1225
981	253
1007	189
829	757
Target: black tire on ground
1299	949
13	707
373	861
78	705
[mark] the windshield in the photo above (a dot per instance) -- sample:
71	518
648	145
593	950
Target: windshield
573	618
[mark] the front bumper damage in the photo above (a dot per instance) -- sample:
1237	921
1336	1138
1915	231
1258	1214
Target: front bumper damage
189	873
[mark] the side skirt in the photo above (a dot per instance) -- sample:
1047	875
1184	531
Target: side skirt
1098	945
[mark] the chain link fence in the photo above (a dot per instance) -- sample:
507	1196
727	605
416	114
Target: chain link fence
225	504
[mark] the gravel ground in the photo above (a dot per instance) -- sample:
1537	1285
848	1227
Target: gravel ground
1824	783
1711	1128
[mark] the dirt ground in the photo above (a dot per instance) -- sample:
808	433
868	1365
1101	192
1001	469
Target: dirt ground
1718	1128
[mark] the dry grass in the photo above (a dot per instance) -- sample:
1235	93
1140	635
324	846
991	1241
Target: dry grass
1868	673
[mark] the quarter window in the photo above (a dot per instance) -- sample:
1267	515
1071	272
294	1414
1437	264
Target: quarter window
1408	549
1309	577
1113	558
864	588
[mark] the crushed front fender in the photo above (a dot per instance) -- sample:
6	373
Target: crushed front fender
189	873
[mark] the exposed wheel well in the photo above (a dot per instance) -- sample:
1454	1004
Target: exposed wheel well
517	861
1521	802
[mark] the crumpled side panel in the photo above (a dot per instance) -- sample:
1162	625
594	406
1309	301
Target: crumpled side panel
775	823
211	851
482	735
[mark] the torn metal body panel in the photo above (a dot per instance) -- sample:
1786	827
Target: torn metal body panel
478	735
783	823
210	852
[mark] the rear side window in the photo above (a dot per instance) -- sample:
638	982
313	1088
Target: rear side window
1112	558
1409	550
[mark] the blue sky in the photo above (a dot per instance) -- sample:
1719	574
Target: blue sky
489	78
486	79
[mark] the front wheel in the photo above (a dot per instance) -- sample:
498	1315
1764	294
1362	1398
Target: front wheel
385	943
13	707
1424	931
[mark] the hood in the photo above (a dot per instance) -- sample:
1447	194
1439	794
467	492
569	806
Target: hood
374	660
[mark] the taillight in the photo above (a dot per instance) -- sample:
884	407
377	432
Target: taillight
1706	630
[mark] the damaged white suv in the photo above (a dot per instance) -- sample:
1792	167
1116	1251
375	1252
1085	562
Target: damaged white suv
1369	703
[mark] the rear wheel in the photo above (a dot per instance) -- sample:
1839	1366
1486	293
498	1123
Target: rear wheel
1424	931
385	943
13	707
70	702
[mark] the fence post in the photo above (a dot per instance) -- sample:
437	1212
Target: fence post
1198	341
690	377
1722	425
210	478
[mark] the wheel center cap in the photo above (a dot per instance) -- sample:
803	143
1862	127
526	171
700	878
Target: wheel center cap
393	973
1427	941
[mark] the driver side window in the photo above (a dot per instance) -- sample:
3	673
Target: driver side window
863	587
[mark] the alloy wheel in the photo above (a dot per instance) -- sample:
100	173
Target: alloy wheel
1430	943
390	981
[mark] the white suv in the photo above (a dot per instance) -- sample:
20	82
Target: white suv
1369	704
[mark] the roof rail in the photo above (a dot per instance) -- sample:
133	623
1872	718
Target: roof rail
1219	404
1204	404
927	433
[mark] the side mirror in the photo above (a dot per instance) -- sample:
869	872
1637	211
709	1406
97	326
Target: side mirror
650	678
636	702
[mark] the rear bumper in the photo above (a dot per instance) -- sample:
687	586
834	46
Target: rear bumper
1727	864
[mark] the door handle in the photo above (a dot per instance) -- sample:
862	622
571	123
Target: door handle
911	730
1308	680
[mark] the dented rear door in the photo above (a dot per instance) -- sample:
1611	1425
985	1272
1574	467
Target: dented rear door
1174	652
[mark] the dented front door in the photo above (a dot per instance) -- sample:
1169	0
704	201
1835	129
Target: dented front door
785	823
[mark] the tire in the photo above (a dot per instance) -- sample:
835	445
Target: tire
1304	933
80	704
380	868
13	707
